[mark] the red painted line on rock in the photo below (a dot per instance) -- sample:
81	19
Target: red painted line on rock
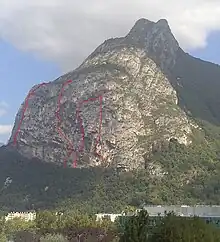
78	117
100	126
59	130
24	110
100	117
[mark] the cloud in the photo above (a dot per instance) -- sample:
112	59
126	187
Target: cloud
3	108
2	112
67	31
5	129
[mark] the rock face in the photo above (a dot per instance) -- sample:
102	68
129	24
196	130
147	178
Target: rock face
112	109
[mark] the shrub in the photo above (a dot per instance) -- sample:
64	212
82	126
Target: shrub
53	238
173	228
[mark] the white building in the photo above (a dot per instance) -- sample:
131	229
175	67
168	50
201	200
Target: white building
110	216
184	210
27	216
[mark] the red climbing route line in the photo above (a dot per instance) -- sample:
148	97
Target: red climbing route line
78	117
24	110
100	117
100	125
59	130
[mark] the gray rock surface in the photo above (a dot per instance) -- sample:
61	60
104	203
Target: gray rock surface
119	102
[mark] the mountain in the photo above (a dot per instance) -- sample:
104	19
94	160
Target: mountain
112	109
176	174
195	81
197	85
158	107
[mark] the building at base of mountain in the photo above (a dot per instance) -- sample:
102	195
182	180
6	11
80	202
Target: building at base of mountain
203	211
27	216
184	210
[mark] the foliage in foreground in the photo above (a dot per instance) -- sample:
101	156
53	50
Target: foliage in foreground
53	238
174	229
170	228
138	228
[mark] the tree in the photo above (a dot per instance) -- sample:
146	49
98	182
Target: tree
77	219
173	228
46	221
53	238
137	228
3	237
15	225
129	209
26	236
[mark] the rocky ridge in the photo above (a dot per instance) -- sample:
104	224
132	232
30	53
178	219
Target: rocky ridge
118	104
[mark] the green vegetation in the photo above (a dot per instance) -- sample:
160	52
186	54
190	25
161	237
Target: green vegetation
186	175
198	88
137	228
53	238
58	227
173	229
170	228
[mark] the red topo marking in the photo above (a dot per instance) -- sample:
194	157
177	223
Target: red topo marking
59	130
78	117
24	110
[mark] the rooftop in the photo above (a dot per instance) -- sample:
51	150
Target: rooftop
185	210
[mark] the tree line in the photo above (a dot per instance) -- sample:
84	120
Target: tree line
51	226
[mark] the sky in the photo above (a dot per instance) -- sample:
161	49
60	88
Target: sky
40	40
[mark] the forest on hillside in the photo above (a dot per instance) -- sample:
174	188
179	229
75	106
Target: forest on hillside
186	175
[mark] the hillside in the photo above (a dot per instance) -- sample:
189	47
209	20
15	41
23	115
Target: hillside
175	175
141	119
111	110
197	83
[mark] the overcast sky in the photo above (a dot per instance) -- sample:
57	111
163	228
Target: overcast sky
66	31
61	33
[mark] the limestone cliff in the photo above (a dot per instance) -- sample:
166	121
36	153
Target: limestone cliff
111	109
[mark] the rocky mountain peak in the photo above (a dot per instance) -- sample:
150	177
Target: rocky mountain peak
111	110
142	27
157	40
153	38
163	23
